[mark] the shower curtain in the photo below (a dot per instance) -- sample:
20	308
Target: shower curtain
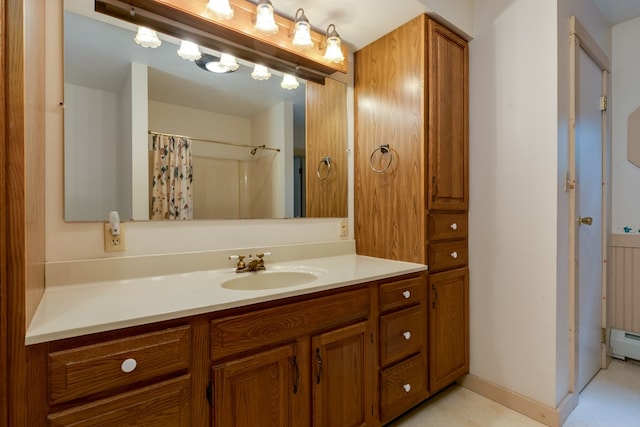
172	193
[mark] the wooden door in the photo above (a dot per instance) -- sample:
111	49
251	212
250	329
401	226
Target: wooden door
326	150
448	327
257	390
342	374
448	106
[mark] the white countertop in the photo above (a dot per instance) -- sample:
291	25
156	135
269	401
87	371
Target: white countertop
73	310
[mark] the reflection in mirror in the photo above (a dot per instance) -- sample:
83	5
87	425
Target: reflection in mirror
247	137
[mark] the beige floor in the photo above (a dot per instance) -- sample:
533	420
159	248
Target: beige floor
612	399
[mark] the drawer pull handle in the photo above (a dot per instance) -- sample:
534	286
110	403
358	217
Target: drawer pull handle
454	255
129	365
454	226
407	388
406	294
319	366
407	335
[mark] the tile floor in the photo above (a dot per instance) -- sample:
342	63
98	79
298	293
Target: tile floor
611	399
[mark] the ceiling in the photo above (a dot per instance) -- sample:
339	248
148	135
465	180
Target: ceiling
617	11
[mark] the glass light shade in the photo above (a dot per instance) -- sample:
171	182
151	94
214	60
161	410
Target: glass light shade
260	72
229	62
189	51
220	9
289	82
265	21
302	35
333	52
146	37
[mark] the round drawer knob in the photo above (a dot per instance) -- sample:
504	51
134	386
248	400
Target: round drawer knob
407	335
129	365
454	226
406	294
407	388
454	255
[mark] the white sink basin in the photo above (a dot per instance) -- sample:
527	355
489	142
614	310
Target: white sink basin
268	280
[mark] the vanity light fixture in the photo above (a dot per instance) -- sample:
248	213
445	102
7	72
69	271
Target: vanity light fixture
189	51
220	9
333	52
146	37
260	72
229	61
289	82
265	21
302	31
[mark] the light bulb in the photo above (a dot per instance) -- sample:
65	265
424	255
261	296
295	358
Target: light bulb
189	51
289	82
220	9
260	72
146	37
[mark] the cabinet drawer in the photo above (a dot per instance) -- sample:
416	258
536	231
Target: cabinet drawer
402	386
402	293
443	256
447	226
244	332
165	404
95	368
402	333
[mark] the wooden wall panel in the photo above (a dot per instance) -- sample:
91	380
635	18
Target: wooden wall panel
326	136
22	210
390	105
625	283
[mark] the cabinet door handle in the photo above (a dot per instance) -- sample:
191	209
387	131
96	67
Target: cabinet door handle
128	365
454	226
435	296
407	335
296	375
319	366
406	388
406	294
454	255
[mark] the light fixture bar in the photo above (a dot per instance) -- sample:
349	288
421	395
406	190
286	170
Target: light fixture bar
188	19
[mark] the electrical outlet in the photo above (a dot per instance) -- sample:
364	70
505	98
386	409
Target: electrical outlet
344	227
113	243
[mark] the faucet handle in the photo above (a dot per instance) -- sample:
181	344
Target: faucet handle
264	254
240	259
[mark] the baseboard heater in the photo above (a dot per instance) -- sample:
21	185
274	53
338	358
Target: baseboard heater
625	344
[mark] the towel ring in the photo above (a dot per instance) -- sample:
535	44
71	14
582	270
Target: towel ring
326	161
383	149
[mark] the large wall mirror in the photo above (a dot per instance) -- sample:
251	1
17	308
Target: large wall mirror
257	150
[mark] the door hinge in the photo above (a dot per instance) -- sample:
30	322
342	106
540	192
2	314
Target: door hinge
603	103
603	335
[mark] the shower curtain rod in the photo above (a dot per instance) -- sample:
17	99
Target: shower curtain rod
255	147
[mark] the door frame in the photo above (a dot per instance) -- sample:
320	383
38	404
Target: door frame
581	39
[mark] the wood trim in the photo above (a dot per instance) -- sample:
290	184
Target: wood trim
552	417
588	44
4	190
625	240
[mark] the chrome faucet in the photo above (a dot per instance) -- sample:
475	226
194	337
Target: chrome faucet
253	264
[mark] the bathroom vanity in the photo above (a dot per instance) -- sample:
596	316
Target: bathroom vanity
348	348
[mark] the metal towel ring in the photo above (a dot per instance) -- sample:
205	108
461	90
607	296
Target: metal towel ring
326	161
384	149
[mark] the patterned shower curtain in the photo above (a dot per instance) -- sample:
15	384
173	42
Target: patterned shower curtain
172	193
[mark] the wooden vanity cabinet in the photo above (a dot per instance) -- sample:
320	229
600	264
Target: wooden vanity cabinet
303	363
411	179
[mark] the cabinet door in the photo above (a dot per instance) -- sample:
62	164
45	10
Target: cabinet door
448	327
448	179
256	390
342	375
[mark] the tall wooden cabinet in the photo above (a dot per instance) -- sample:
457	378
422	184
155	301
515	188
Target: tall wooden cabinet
411	174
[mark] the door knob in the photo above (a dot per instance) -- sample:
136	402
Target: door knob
587	220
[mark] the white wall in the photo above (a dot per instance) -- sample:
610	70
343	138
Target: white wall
626	99
518	230
512	216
